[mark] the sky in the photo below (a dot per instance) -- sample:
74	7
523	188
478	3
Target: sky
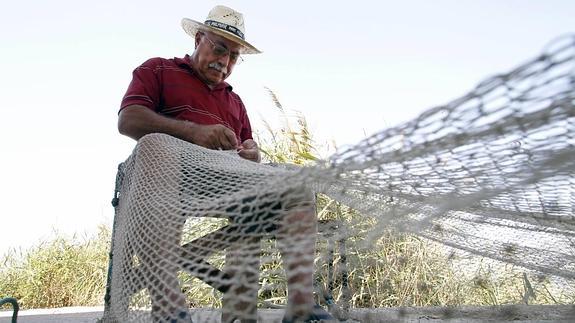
351	68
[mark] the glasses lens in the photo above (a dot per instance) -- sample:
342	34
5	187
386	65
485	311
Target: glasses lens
220	50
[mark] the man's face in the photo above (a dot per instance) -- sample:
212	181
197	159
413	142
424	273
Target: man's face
214	57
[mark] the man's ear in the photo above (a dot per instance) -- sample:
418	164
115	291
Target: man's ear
198	38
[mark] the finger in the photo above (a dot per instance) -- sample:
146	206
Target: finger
251	154
249	144
223	142
247	154
214	143
229	139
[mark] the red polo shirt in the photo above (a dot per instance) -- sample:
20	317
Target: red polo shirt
171	88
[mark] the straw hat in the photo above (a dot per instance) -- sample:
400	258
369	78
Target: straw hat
225	22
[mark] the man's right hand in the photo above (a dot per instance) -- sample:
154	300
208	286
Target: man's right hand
136	121
214	136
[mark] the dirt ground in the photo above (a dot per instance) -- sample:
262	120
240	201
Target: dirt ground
515	313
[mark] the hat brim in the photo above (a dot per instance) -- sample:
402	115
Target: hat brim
191	27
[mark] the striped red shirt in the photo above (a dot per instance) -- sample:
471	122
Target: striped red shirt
171	88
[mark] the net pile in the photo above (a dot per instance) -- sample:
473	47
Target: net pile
491	174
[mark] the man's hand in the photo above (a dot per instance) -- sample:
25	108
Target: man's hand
214	136
137	121
249	150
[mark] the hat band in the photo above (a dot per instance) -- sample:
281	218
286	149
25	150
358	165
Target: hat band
226	27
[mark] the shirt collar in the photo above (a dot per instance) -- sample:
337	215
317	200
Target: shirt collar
186	62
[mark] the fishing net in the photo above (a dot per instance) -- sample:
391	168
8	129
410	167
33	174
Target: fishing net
488	176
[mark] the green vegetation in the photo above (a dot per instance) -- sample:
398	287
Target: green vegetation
62	272
396	269
291	143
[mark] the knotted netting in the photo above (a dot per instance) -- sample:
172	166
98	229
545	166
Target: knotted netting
490	175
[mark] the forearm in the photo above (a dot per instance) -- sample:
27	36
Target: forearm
136	121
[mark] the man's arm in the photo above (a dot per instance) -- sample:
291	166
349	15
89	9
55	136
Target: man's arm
136	121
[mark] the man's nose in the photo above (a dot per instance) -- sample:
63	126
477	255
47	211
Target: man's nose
224	60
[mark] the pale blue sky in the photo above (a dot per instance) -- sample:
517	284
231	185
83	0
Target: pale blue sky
351	67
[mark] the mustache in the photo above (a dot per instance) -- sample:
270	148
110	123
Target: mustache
219	67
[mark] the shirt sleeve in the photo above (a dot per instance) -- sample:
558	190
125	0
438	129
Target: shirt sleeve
144	89
246	131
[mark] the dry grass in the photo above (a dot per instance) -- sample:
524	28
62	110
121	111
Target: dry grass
62	272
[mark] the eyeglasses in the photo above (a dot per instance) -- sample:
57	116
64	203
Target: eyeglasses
221	51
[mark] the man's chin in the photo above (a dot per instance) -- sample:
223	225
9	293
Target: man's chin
216	77
216	81
211	80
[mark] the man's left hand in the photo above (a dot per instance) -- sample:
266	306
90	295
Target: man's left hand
249	150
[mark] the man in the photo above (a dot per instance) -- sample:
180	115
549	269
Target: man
188	98
186	107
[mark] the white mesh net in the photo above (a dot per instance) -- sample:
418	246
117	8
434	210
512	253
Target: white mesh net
488	176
